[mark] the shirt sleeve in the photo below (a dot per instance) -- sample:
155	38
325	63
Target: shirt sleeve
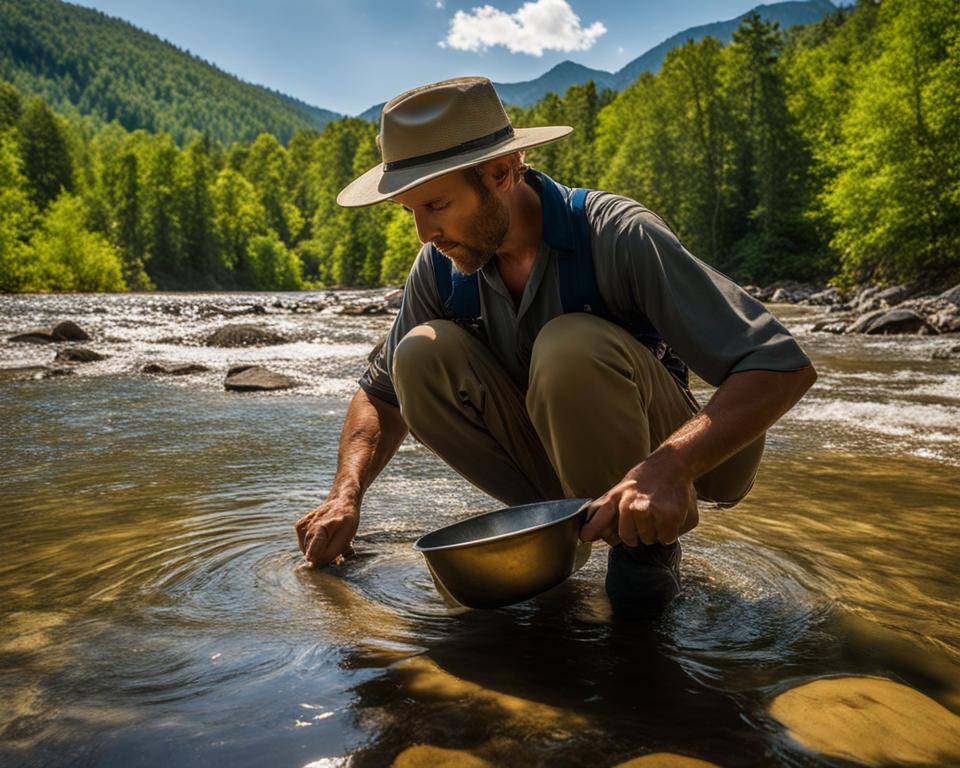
420	304
711	323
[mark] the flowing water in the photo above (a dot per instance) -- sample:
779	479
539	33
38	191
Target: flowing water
154	609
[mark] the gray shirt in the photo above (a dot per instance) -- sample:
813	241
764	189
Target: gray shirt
714	326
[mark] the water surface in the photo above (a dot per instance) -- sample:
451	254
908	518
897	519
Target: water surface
154	611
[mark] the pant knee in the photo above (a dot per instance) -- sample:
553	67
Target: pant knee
573	354
424	350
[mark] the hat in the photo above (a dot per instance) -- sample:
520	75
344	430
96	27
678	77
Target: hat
437	128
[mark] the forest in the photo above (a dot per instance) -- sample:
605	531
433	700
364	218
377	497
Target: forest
829	152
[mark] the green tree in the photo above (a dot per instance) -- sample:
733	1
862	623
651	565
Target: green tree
895	200
46	156
275	268
71	258
402	247
17	220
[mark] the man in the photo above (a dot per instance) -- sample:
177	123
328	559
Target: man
539	367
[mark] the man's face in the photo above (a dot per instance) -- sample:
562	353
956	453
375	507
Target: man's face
464	220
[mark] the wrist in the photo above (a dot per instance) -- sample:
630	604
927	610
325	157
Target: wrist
667	461
349	492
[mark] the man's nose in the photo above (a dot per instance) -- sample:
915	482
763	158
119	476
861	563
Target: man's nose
426	228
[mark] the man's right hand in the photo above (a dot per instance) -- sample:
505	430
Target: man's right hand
327	531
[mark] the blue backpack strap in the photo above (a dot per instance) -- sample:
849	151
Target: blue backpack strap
459	293
578	281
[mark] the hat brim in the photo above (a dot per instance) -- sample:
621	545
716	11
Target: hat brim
377	185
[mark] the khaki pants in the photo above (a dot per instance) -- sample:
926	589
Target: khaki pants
597	404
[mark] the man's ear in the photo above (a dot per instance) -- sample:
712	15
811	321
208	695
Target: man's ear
499	171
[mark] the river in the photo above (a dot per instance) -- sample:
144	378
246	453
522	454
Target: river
154	609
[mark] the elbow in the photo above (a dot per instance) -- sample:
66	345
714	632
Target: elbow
806	378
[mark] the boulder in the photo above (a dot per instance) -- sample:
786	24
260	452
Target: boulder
253	378
893	295
78	355
243	335
899	321
828	297
173	369
863	322
947	353
66	330
951	294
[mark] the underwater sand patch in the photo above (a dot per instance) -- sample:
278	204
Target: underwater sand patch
666	760
869	720
423	678
427	756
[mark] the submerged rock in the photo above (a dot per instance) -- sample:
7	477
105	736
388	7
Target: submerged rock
66	330
244	335
78	355
173	369
28	372
254	378
869	721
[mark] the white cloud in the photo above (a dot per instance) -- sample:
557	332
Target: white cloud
439	4
538	26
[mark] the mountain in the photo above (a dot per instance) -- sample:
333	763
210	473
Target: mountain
566	73
83	62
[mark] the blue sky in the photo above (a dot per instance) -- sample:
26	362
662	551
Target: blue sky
351	54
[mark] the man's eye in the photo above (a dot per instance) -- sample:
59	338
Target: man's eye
438	206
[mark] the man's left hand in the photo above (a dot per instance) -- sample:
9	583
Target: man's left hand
652	504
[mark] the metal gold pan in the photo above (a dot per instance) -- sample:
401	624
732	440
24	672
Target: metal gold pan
506	556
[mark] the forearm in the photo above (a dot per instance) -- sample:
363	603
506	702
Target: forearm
744	406
372	432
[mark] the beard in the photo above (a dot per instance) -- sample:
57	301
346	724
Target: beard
484	235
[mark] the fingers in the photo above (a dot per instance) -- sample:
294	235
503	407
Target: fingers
601	519
316	544
301	528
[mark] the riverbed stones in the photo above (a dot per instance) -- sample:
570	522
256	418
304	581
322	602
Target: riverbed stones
173	369
254	378
244	335
65	330
78	355
869	721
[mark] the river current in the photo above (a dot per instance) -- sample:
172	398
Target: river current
154	609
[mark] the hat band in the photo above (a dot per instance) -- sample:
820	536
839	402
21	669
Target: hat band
468	146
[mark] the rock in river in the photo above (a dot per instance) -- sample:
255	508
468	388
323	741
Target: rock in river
28	372
254	378
173	369
78	355
243	335
899	321
66	330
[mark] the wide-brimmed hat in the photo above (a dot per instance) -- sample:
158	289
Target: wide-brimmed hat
437	128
